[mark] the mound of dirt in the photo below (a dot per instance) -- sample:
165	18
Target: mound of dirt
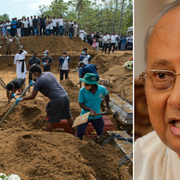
121	79
42	156
54	44
105	61
27	115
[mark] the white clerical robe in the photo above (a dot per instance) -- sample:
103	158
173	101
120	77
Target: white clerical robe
19	60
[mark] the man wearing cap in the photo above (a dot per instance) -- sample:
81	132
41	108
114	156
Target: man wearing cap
47	61
58	107
85	57
15	85
33	60
88	68
90	97
64	62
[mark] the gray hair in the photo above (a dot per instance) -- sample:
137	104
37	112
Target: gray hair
165	10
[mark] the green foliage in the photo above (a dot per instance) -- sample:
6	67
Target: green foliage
93	15
4	17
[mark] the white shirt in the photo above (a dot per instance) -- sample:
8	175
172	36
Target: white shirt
25	23
30	22
54	21
60	22
71	23
65	64
85	34
47	26
106	38
101	36
149	159
85	60
51	26
113	39
8	27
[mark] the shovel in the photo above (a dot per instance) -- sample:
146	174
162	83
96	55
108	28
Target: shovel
14	104
84	118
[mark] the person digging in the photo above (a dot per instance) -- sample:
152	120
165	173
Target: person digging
13	86
90	97
58	107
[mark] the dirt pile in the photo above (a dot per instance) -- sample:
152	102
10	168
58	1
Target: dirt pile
106	61
27	115
43	156
55	44
121	79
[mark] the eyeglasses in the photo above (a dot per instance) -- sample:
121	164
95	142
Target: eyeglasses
159	80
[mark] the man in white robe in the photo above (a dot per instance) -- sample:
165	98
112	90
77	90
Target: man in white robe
19	61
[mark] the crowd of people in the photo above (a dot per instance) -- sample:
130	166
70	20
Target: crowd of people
48	26
39	26
43	80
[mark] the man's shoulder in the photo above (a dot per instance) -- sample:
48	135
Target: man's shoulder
147	143
101	88
82	90
31	59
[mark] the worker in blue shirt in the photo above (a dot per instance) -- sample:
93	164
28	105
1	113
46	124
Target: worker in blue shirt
90	97
87	68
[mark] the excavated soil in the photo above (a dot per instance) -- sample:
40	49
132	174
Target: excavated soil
27	150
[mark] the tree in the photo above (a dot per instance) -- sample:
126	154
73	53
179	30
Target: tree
4	17
102	15
121	17
115	16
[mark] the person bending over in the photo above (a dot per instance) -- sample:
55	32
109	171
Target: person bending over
58	107
15	85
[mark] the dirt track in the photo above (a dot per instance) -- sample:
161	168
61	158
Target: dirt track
27	150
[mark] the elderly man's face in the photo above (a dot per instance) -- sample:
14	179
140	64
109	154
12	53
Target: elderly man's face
164	54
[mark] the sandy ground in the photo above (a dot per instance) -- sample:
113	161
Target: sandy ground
27	150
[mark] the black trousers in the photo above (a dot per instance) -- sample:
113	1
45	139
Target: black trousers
66	33
105	47
13	31
55	30
112	44
26	32
62	72
31	32
42	28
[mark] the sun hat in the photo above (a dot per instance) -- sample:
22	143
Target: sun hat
89	78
